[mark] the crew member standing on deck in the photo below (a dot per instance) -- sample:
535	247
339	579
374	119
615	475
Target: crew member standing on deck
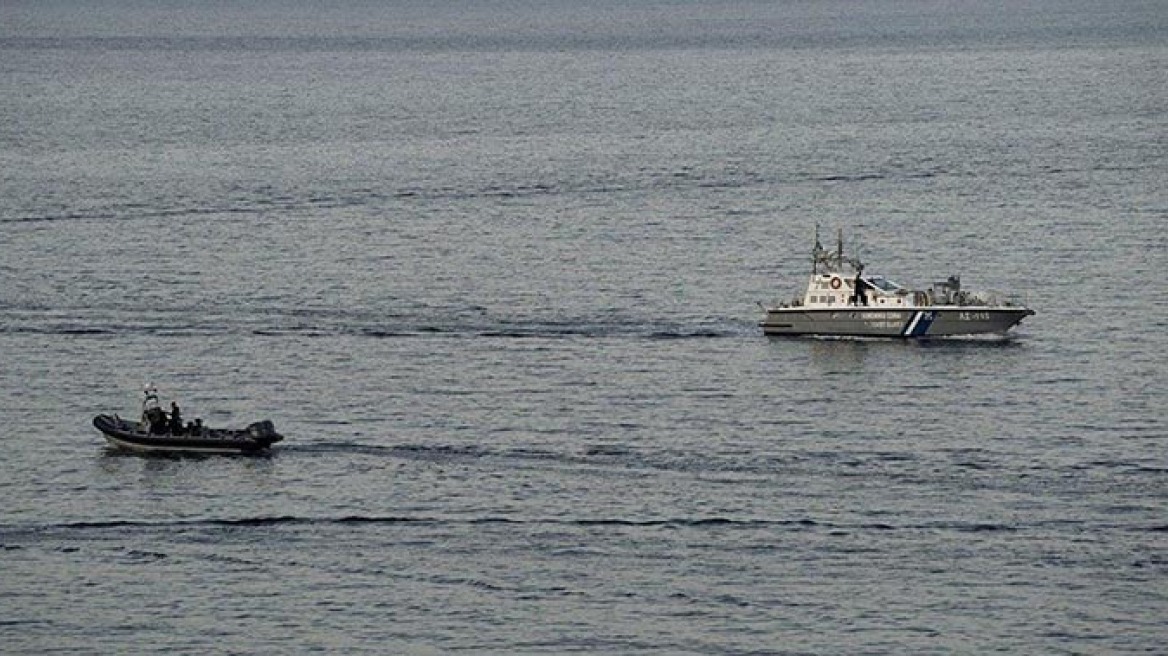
176	425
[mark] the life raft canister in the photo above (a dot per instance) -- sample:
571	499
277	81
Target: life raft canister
836	283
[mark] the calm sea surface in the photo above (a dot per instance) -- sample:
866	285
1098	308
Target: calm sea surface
493	269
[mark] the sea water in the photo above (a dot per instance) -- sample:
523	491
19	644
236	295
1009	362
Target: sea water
493	269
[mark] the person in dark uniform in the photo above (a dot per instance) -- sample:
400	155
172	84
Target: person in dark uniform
176	425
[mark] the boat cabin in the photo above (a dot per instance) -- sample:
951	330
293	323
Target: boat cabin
857	290
838	281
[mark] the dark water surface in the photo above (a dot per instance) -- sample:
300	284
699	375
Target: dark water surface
493	270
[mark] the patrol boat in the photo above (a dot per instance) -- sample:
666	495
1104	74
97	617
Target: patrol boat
841	300
159	433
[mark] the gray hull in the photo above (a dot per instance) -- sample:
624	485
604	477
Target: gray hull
906	323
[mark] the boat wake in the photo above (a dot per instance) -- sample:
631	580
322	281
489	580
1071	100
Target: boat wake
293	522
367	324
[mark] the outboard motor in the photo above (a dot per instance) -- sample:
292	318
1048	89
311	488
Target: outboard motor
261	428
264	430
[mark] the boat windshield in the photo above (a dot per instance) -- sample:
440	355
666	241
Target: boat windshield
883	283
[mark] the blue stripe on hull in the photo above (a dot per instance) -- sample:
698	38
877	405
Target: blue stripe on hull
912	322
919	326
